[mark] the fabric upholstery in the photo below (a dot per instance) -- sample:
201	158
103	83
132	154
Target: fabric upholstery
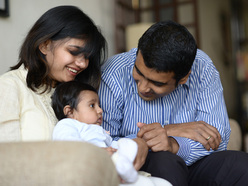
235	141
55	163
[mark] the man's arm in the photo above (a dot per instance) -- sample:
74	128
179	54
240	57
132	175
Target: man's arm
192	130
198	131
157	139
112	120
210	108
113	92
112	88
112	114
192	137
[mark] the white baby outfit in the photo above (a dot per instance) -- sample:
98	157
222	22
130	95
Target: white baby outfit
72	130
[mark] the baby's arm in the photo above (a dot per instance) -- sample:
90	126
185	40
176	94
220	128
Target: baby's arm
110	150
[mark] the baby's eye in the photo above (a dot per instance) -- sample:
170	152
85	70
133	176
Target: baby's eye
92	105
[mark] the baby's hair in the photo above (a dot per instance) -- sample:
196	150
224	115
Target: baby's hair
68	94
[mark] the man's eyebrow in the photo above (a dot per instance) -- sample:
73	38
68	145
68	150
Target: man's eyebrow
138	70
154	82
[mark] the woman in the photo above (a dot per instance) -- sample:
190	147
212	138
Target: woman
63	45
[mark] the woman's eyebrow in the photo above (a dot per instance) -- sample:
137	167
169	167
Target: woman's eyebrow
75	46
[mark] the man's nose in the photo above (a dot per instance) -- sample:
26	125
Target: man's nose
143	85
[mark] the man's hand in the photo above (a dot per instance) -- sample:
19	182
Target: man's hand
141	154
156	138
199	131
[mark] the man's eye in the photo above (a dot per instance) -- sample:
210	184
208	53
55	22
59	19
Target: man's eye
137	70
158	84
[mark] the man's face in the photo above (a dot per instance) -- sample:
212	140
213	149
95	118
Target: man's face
150	83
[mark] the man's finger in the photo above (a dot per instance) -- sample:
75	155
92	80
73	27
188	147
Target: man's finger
140	125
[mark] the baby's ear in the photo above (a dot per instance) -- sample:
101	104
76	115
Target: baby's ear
68	111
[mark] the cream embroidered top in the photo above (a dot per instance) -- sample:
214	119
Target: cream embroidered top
24	115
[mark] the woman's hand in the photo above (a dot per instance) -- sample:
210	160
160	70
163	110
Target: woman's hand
156	138
199	131
141	154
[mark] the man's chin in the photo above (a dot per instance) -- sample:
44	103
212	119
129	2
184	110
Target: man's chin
147	98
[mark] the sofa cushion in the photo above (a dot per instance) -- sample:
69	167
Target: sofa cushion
55	163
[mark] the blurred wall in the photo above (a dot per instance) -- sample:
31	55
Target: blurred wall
214	19
214	41
24	13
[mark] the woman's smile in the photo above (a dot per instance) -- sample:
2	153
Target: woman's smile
72	70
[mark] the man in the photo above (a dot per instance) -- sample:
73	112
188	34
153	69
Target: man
168	96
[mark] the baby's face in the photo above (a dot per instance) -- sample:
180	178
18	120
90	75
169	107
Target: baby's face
88	109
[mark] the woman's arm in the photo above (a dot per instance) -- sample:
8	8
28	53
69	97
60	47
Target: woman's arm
9	110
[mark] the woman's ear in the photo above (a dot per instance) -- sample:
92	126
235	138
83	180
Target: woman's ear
44	47
184	79
68	111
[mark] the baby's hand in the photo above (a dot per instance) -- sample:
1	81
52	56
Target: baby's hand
110	150
108	132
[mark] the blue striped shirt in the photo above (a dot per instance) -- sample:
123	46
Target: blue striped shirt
199	99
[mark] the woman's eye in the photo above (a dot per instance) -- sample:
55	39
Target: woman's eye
75	52
72	52
78	54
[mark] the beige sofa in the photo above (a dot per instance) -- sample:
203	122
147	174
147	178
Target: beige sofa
55	164
235	141
58	163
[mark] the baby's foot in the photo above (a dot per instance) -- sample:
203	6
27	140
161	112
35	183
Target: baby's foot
125	156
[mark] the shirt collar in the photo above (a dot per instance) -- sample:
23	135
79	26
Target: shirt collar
187	82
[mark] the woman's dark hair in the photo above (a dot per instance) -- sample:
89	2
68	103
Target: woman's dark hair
168	47
56	24
67	93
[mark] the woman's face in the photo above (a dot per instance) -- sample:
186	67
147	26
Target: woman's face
63	63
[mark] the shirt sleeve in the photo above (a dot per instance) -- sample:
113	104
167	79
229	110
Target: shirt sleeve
109	91
211	109
65	130
72	130
9	110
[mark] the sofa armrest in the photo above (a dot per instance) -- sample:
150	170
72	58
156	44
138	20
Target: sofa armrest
55	163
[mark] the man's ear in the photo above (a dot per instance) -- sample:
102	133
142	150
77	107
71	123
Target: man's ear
184	79
45	46
68	111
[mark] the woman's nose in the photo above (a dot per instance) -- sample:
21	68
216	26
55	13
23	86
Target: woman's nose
82	62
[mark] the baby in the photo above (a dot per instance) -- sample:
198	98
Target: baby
76	105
